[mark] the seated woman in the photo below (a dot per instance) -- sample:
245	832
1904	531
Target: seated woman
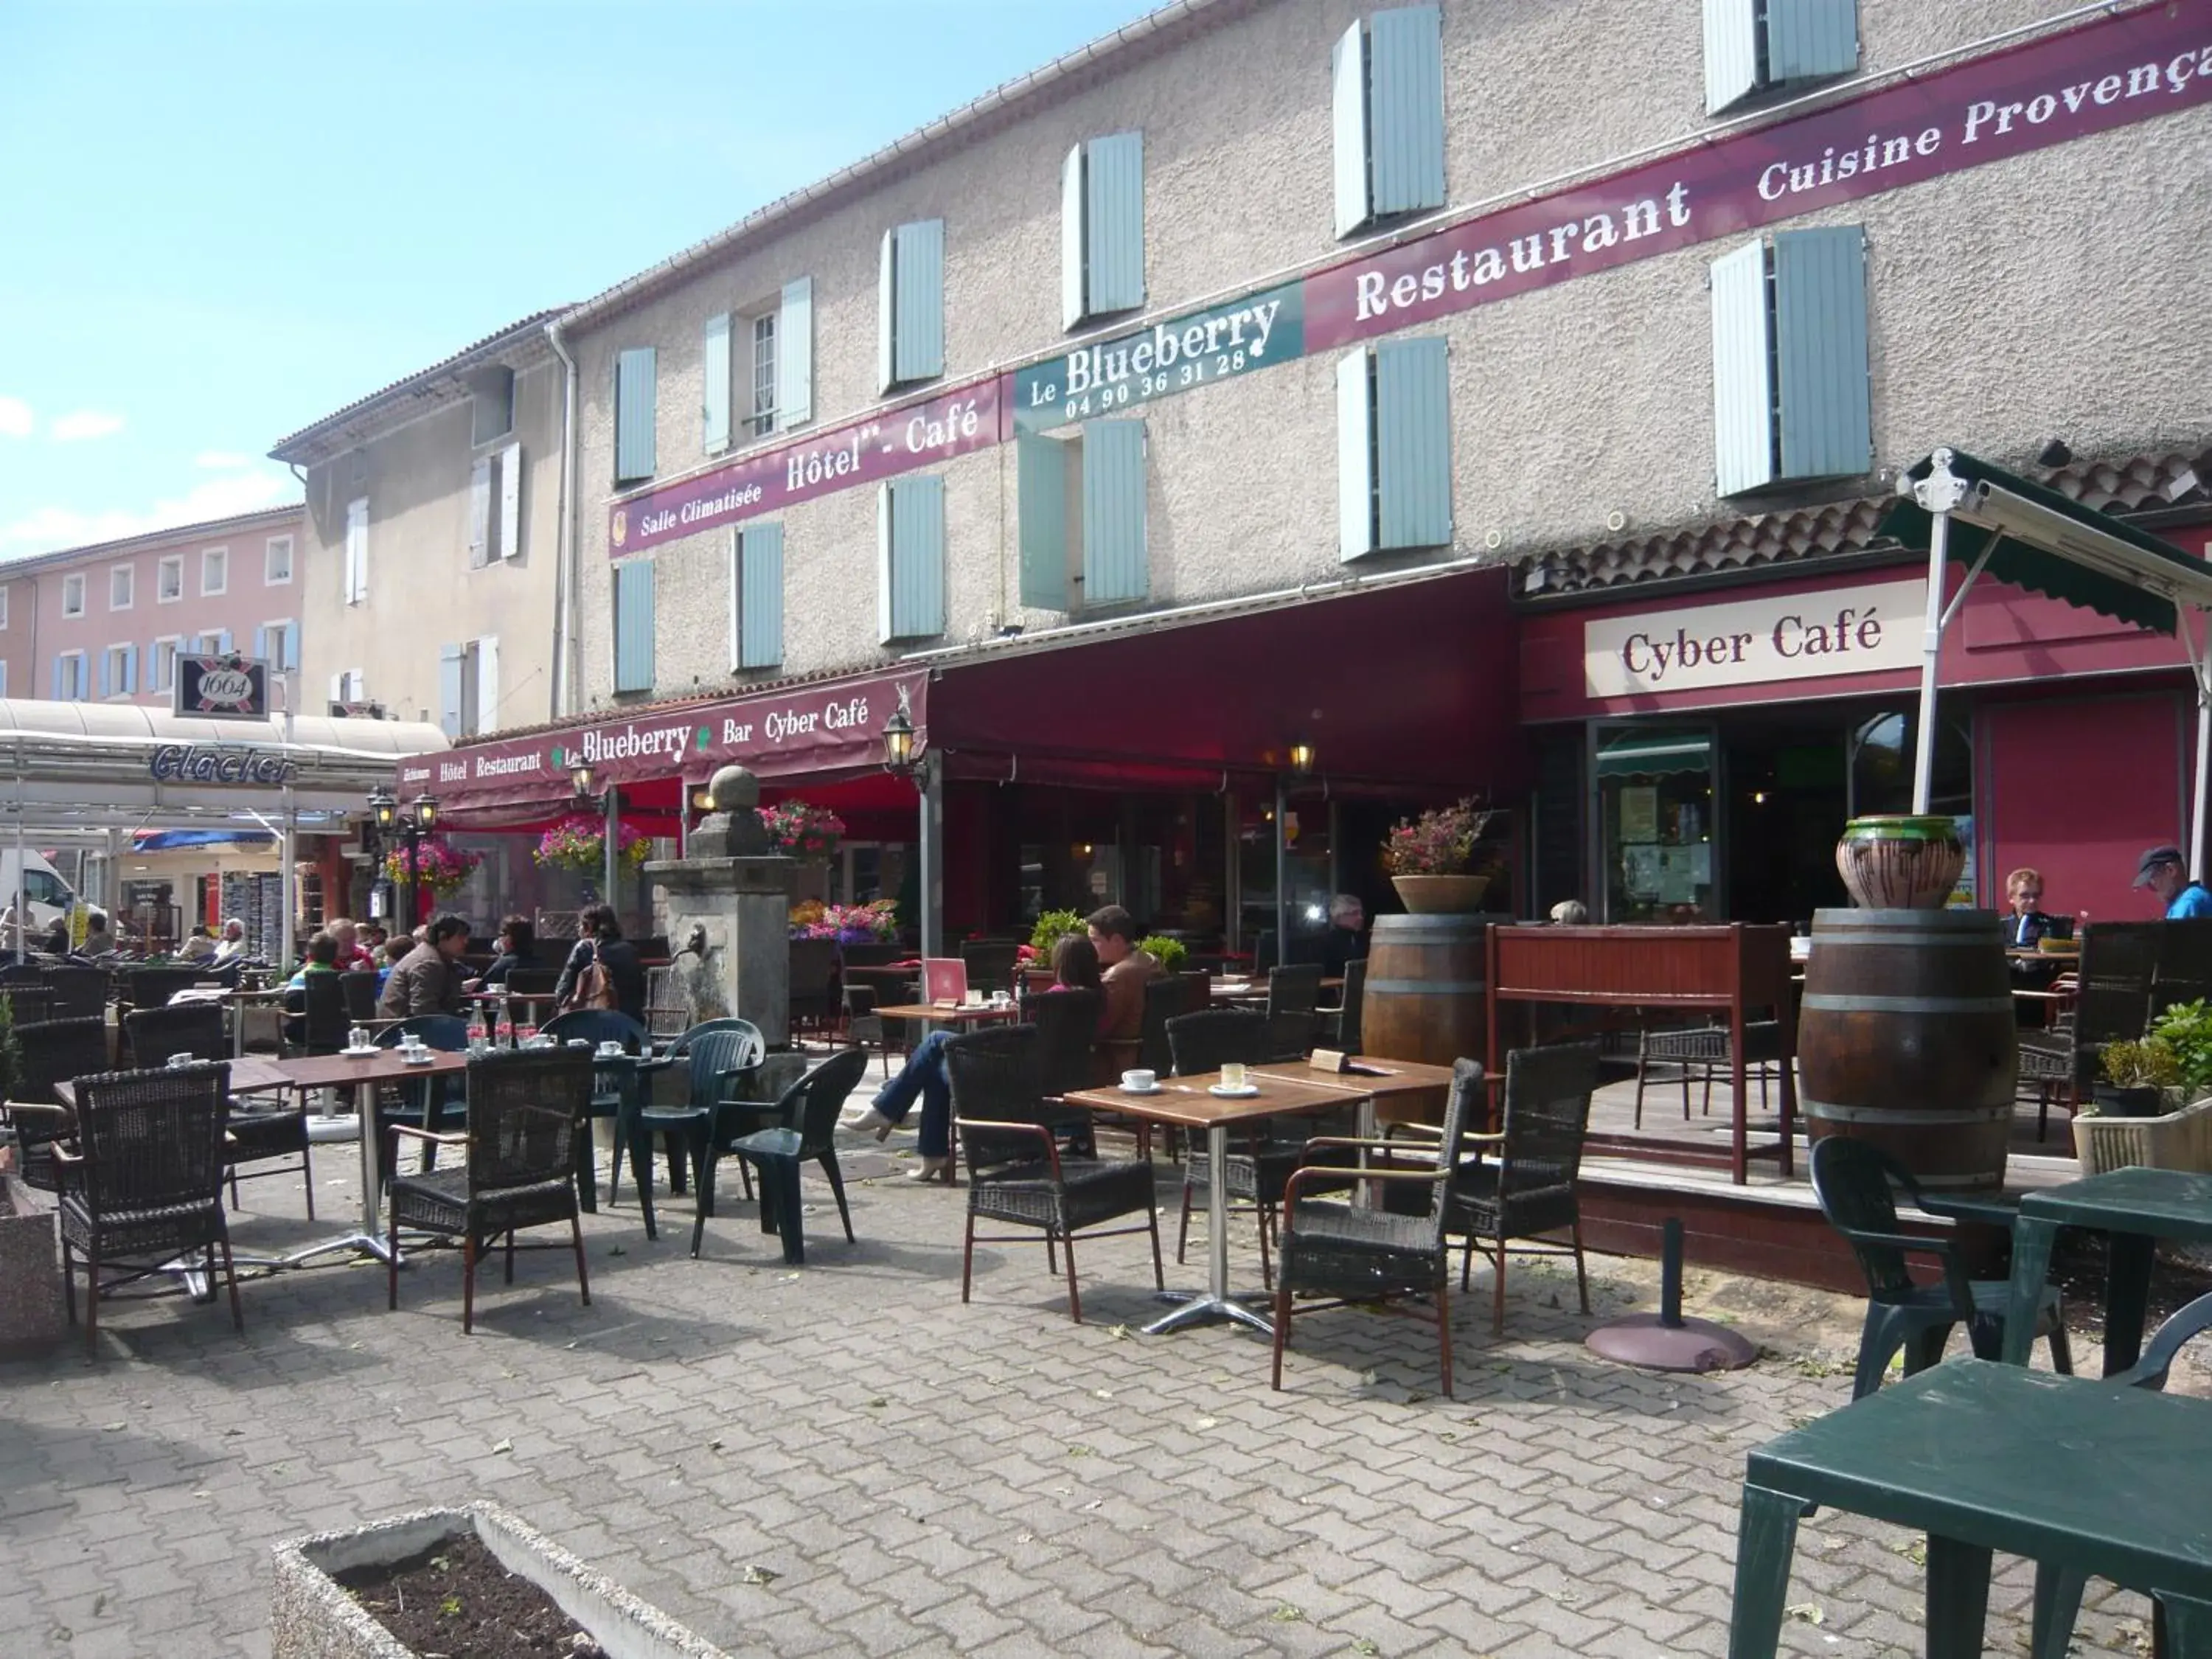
2026	926
1074	966
518	942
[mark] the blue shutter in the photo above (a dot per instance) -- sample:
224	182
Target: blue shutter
1811	40
222	642
130	669
1355	455
1821	352
292	644
1348	115
911	541
261	643
1040	511
634	415
760	596
107	674
1072	242
1114	223
1114	566
917	304
1412	443
794	355
633	626
1406	109
452	671
714	384
1731	52
1743	388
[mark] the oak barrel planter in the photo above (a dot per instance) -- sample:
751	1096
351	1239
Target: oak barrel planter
1424	999
1905	1038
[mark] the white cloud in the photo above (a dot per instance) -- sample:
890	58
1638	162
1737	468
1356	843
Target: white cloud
222	460
14	418
83	423
46	528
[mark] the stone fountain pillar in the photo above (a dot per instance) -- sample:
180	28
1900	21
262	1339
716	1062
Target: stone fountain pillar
726	910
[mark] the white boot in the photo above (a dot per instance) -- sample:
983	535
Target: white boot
872	1123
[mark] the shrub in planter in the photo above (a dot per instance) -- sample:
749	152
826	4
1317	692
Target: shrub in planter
1170	953
2186	1030
2137	1074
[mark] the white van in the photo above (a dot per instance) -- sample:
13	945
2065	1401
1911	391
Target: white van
46	895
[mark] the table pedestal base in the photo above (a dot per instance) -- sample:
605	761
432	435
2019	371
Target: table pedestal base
1201	1307
370	1243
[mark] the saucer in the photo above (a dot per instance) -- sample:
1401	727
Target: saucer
1227	1093
361	1054
1123	1087
426	1059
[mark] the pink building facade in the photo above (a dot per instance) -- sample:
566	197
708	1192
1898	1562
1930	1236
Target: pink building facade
107	623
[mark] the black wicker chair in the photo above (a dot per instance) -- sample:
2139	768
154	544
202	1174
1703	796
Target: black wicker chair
1016	1175
27	1003
320	1027
358	988
49	1052
79	993
1354	1255
152	1033
813	968
152	987
1068	1033
526	1109
1293	997
615	1090
1340	1027
143	1185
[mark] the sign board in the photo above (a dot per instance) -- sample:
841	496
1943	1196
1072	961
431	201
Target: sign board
224	763
1107	377
221	688
1795	636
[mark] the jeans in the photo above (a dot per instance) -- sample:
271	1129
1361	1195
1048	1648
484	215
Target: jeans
923	1076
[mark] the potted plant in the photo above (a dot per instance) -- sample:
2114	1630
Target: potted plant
2129	1125
2186	1030
1432	859
2137	1074
1170	953
1903	862
809	834
1033	961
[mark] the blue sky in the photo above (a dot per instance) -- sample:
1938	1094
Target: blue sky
222	221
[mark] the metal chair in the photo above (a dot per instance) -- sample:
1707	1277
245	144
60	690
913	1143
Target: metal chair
48	1052
1706	1051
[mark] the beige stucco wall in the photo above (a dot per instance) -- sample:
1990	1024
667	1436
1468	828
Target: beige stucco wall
2009	303
421	593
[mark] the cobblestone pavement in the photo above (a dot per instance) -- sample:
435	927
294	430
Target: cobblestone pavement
843	1459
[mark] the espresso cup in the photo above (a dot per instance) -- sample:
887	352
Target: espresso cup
1138	1080
1232	1074
178	1060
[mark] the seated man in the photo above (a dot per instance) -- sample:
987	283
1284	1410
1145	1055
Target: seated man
2163	870
98	941
429	979
233	944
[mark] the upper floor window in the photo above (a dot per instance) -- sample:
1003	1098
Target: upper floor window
71	677
1387	94
4	607
122	584
169	579
215	571
1393	446
491	404
758	367
73	595
496	507
276	563
1791	390
1754	47
635	376
1102	228
910	339
1079	516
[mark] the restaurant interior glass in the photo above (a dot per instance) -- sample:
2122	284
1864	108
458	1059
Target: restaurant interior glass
1659	853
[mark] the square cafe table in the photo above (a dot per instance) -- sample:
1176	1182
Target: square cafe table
1185	1103
952	1013
2134	1208
2076	1475
1391	1090
361	1074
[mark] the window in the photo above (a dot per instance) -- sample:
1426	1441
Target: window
73	596
278	644
910	338
348	690
70	678
1102	228
468	687
3	676
118	670
1791	385
4	607
1394	447
763	416
215	571
496	507
276	563
1754	46
491	404
910	559
356	552
714	384
633	626
756	596
169	580
634	375
122	583
162	663
1080	507
776	369
1387	94
214	644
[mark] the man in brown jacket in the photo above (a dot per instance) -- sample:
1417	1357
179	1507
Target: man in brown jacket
1114	936
428	980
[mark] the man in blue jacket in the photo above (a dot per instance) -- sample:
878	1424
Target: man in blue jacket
2162	871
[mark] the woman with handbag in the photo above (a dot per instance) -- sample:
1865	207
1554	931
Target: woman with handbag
603	971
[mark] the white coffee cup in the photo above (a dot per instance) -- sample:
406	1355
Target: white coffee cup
610	1050
1141	1081
1232	1074
176	1061
975	999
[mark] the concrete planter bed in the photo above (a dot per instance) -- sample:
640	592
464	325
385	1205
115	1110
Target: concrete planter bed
2178	1140
31	1316
312	1616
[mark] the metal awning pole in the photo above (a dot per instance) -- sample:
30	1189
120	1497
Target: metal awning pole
22	912
611	852
1282	879
1931	654
288	843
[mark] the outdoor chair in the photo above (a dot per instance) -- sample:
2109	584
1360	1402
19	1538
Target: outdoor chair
1704	1051
1339	1028
1068	1033
1357	1256
79	992
863	1025
320	1026
1853	1180
358	988
717	1060
28	1004
49	1052
614	1088
530	990
667	1014
1294	994
13	974
803	1128
152	987
151	1034
427	1104
1016	1174
144	1184
813	966
526	1112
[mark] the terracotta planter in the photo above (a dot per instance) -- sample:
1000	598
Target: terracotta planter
2179	1140
1900	863
1441	895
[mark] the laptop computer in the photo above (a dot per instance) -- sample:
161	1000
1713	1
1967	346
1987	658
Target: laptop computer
943	980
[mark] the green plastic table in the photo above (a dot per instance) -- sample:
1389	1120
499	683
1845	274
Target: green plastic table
2135	1208
2075	1474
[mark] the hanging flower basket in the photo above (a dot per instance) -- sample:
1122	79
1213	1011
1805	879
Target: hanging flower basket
442	868
809	834
578	843
874	923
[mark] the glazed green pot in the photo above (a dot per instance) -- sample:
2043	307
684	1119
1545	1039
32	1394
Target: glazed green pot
1902	863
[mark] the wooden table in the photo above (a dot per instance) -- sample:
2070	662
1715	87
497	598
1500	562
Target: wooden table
252	1075
965	1013
2134	1208
361	1075
1392	1091
2081	1478
1184	1103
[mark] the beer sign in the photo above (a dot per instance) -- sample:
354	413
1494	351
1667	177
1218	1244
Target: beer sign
221	688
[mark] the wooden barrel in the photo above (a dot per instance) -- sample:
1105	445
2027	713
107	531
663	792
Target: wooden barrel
1905	1038
1424	999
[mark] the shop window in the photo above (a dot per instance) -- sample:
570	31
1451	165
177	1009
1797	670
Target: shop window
1386	80
910	344
1791	392
1656	816
1081	506
1394	447
635	416
1102	228
633	626
756	596
1754	46
910	559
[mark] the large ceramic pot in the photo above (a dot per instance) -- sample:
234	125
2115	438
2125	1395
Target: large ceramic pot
1900	863
1441	895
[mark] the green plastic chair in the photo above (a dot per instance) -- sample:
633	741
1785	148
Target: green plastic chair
799	1128
717	1062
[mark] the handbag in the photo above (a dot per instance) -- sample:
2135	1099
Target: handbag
594	987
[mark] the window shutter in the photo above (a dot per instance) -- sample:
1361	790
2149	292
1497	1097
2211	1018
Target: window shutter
130	669
487	655
338	688
1114	566
1412	443
794	355
261	643
887	312
107	673
1743	392
450	689
1821	352
1040	511
510	502
633	626
1731	52
714	384
222	644
1811	40
60	669
1072	240
1406	109
1348	104
356	682
356	552
1355	455
634	390
760	596
911	582
1114	208
913	303
292	646
480	513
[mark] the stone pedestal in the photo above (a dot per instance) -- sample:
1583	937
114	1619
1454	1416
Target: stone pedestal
725	911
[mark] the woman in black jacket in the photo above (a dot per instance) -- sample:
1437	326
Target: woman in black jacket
518	944
603	941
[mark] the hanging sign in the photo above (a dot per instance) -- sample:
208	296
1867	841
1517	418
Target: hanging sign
221	688
211	762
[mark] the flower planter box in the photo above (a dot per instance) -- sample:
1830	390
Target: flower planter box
31	1316
313	1617
2179	1140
